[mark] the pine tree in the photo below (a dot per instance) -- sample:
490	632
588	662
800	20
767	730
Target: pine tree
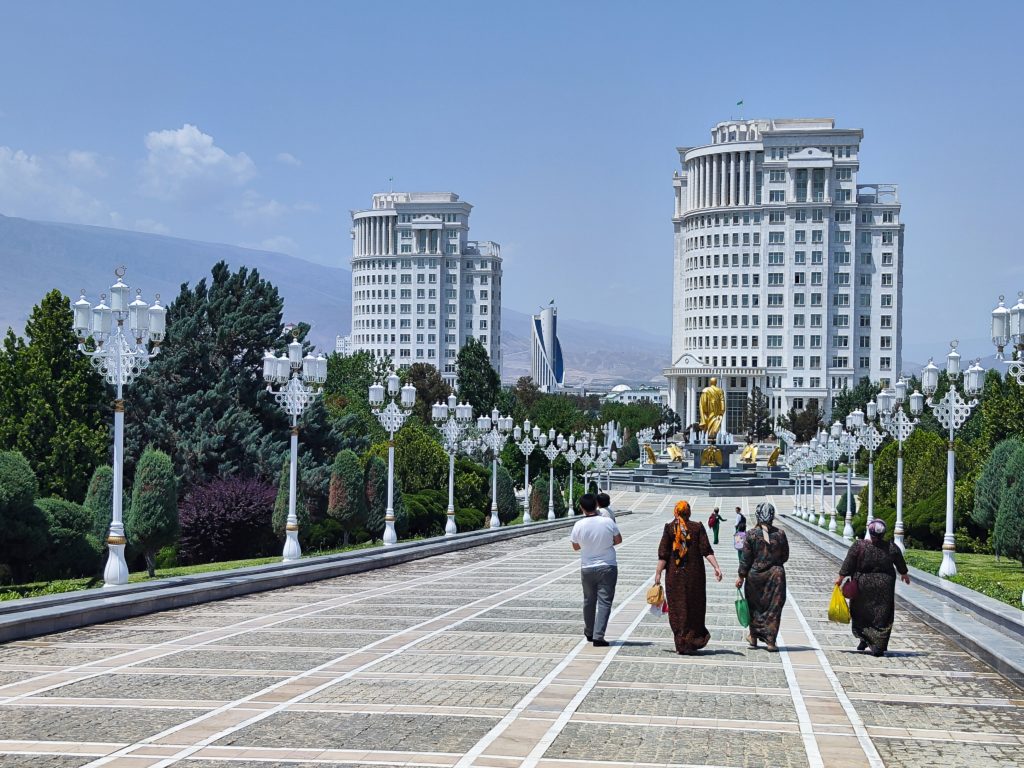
431	388
279	519
99	500
52	403
203	400
23	528
757	418
989	488
1008	535
151	522
376	485
478	382
347	502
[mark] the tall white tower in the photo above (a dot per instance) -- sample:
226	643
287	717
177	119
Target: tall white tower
788	273
420	287
547	369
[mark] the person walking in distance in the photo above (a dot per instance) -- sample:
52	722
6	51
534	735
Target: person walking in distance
595	538
714	523
740	533
604	506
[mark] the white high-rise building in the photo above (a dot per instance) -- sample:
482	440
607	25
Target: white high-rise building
546	367
788	273
420	287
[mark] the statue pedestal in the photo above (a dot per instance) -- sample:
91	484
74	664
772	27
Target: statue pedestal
696	449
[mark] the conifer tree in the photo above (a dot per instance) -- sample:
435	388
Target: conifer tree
151	522
347	501
52	403
478	382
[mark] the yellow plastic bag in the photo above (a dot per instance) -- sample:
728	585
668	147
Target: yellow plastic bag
838	611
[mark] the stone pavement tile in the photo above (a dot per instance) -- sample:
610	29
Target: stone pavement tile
208	658
956	684
495	641
666	745
264	764
509	666
87	723
182	687
42	654
675	704
103	634
501	626
9	760
300	640
415	733
462	693
844	751
205	727
708	673
922	753
906	661
946	717
341	622
132	762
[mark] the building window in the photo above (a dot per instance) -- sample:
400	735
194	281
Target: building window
777	196
887	279
776	238
886	299
886	259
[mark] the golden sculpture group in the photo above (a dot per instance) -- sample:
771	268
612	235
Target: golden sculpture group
712	410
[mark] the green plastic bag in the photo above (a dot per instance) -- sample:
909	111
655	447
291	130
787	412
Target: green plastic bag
742	610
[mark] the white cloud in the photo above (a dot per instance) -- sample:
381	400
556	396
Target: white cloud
150	225
35	187
85	163
279	244
287	158
255	208
186	162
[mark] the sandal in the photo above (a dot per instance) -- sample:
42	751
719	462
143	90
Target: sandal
771	648
751	641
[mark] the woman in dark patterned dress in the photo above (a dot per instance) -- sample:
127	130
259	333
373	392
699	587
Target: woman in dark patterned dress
874	564
765	551
682	546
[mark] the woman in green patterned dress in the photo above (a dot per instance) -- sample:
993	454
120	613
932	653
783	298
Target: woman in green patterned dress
765	551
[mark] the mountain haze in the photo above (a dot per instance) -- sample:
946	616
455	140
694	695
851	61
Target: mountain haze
38	256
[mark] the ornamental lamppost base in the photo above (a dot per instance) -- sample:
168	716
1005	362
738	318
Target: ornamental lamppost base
390	537
449	527
115	573
948	567
832	527
292	550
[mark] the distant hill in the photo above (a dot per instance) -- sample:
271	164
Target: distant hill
36	257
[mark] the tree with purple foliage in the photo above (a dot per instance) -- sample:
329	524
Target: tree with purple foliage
227	518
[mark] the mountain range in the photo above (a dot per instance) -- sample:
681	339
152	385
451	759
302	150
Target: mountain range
38	256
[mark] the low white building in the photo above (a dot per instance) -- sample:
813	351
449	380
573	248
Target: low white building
623	393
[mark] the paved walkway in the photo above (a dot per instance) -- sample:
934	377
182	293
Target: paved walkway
476	660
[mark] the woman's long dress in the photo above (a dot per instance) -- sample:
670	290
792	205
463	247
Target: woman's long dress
686	587
761	564
874	608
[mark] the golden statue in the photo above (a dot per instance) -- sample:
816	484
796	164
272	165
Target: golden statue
651	458
774	458
675	452
712	409
749	455
711	456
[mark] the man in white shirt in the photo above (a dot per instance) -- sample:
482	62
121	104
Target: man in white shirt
604	506
595	538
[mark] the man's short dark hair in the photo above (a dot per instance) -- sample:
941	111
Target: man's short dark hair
738	509
588	503
604	500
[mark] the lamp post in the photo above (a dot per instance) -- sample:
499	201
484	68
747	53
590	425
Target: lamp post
896	422
391	417
451	419
550	447
120	333
587	460
951	411
871	439
796	468
663	430
298	380
494	431
1008	328
823	451
644	437
572	455
847	443
833	455
522	438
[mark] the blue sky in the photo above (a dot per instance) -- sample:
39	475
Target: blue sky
263	123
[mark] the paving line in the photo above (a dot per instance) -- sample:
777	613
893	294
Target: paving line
874	759
491	736
336	602
544	579
803	718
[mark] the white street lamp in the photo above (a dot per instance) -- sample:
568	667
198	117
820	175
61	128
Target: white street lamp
1008	328
871	439
549	444
644	437
526	439
951	411
847	443
494	431
897	424
400	401
293	374
587	460
451	419
120	336
572	454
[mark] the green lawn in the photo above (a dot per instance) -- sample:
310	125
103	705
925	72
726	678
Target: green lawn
39	588
1002	580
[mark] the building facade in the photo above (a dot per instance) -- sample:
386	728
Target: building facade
343	345
420	287
546	366
788	271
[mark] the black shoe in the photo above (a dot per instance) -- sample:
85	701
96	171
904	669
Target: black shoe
601	643
862	645
589	638
877	653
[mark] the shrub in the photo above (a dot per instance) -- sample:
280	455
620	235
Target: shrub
151	522
72	551
346	503
279	518
22	525
1008	535
539	499
469	519
376	485
226	519
420	461
925	520
988	491
427	513
99	500
508	507
472	485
